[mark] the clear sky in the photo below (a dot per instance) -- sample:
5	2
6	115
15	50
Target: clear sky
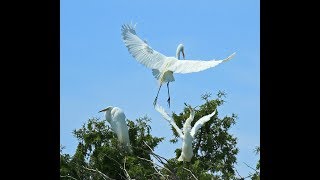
97	70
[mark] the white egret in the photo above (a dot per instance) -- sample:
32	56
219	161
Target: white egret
162	66
188	133
117	119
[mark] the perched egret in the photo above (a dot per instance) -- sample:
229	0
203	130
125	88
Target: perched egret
162	66
117	120
187	134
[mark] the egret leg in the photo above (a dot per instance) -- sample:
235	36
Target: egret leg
155	100
168	94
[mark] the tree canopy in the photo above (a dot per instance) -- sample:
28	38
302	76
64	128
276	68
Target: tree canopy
99	155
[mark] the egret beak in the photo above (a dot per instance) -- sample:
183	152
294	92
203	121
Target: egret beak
105	109
189	107
183	55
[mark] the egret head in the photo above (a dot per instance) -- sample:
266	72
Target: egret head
190	108
109	108
180	48
108	113
191	111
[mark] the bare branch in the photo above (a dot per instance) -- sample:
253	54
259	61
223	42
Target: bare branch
124	169
148	146
155	164
160	160
239	174
191	173
69	177
124	163
250	167
248	176
121	176
99	172
155	167
158	156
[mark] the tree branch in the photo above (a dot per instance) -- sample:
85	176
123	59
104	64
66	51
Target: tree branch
155	167
239	174
191	173
99	172
248	176
160	159
125	171
158	156
250	167
67	176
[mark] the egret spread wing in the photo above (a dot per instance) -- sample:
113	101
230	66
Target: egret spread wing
161	110
140	50
200	123
164	114
189	66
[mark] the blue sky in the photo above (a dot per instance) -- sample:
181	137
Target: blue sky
96	69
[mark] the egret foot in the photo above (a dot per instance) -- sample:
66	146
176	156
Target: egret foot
168	101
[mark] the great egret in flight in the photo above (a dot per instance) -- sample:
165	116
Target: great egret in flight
117	119
187	134
162	66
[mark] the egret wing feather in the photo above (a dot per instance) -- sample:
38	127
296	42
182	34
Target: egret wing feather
200	123
190	66
161	110
140	50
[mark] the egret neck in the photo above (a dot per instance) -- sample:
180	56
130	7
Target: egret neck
107	113
180	48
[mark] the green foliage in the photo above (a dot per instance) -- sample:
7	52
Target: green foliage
214	148
98	149
99	155
256	174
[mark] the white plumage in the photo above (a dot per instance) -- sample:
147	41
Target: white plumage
188	133
117	119
169	119
162	66
200	123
